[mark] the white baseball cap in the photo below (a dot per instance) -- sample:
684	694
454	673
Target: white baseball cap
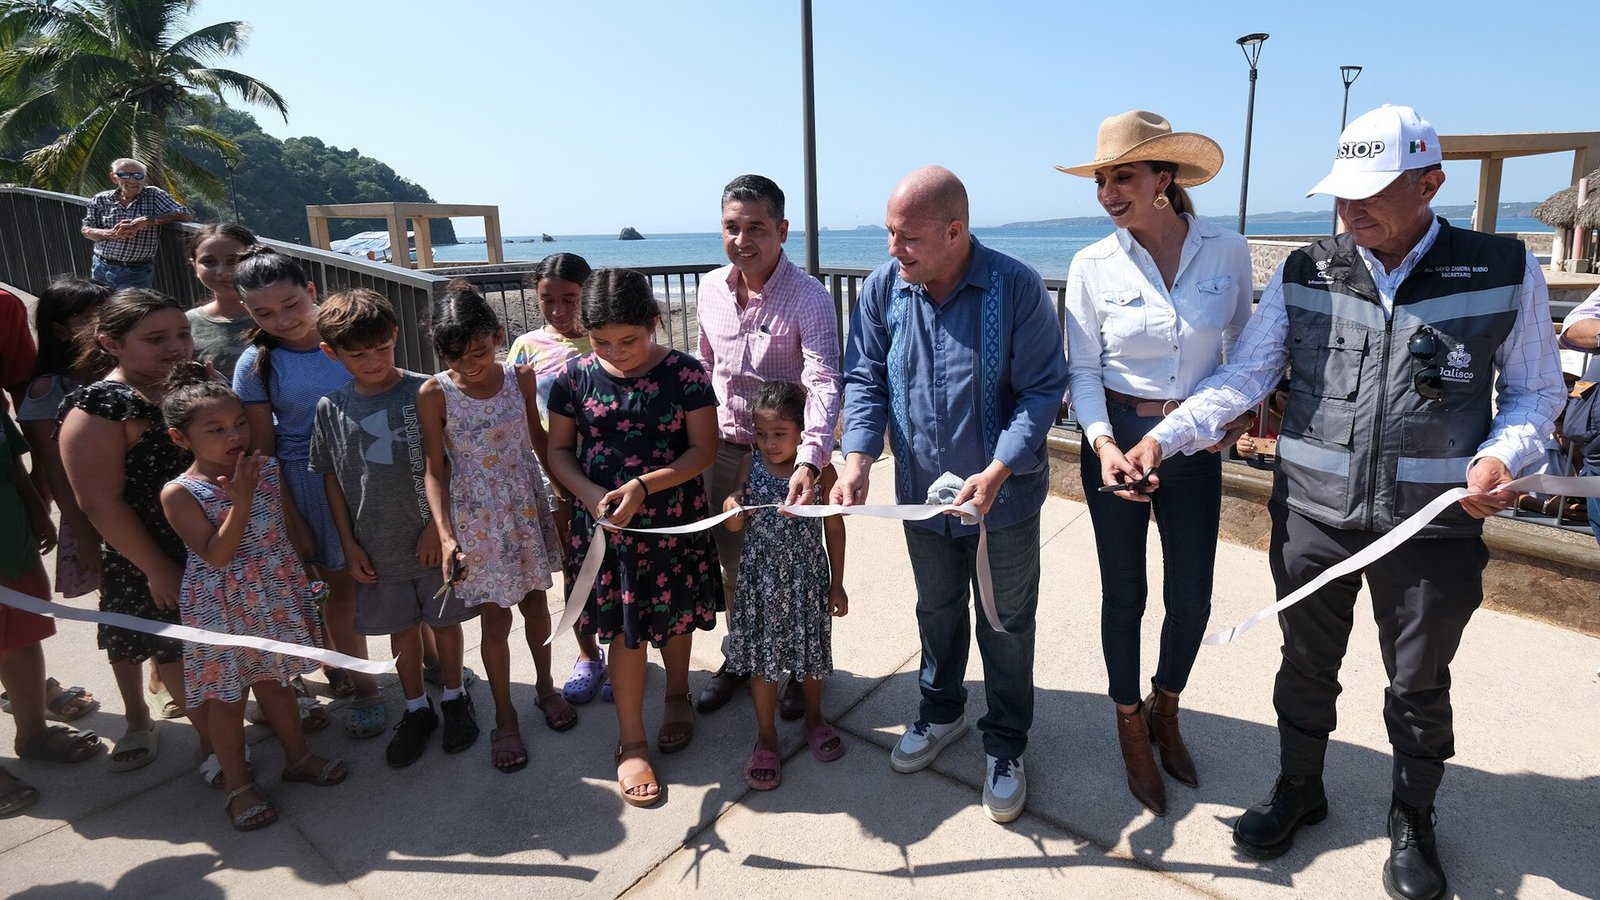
1375	149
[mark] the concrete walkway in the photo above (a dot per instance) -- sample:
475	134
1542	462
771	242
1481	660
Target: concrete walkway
1518	814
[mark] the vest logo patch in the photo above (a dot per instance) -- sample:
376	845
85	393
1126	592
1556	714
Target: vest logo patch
1456	363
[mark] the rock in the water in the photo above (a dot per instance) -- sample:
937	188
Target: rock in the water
629	233
547	239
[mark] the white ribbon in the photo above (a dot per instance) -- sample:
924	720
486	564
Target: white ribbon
583	585
39	607
1556	485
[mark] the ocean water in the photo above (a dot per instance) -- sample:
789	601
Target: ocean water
1048	250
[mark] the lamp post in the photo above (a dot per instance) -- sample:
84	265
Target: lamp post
1251	45
809	111
232	160
1349	74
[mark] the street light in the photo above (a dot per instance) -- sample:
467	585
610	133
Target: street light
808	103
1349	74
1250	44
232	160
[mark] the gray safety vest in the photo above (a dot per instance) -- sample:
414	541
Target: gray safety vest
1360	448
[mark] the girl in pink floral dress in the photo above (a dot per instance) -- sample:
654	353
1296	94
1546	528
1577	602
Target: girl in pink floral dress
244	577
485	483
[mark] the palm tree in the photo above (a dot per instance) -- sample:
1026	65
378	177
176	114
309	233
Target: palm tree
117	75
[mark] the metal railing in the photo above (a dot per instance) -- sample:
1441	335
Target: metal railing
40	238
676	289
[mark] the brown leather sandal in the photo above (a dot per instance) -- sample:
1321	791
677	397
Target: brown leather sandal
627	783
675	734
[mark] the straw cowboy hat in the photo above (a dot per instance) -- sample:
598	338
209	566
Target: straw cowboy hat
1142	136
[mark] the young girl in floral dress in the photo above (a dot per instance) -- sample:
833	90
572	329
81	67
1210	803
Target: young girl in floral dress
632	427
485	484
117	456
243	577
790	585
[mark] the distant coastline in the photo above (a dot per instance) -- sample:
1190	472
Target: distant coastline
1461	212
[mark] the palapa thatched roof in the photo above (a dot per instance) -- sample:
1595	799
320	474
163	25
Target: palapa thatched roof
1561	209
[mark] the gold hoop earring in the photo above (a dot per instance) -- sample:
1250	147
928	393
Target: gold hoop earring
1161	201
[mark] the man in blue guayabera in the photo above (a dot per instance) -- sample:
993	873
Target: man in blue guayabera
956	350
1421	358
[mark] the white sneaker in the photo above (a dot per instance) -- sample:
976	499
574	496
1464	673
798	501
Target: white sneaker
921	743
1005	788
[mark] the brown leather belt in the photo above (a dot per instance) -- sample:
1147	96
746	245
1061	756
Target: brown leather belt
1143	407
745	448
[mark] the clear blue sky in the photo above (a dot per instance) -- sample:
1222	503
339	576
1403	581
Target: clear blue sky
582	117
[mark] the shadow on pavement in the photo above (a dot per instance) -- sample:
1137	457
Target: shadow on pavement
1495	830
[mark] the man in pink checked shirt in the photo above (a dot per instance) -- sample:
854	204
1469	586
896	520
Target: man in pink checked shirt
763	319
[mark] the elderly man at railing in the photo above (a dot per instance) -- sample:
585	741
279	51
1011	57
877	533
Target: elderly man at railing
125	225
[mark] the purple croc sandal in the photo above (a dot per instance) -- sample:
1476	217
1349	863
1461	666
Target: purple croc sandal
584	680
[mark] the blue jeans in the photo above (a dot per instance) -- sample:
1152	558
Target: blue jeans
1187	509
946	572
119	276
1591	466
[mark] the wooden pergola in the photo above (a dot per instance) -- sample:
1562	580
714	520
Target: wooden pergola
1492	150
397	214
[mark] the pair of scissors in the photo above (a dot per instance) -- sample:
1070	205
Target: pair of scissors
458	571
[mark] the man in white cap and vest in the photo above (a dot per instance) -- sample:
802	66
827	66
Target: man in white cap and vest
1421	357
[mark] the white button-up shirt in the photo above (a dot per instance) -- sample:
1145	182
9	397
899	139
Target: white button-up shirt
1126	331
1387	282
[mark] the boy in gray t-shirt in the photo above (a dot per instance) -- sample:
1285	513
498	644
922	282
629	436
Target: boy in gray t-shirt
367	446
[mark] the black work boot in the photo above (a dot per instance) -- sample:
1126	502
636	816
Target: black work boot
1266	830
1412	871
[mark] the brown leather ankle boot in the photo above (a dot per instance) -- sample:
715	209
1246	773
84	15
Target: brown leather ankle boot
1161	716
1143	779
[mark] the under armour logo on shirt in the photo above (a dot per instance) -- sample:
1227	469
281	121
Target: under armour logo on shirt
382	450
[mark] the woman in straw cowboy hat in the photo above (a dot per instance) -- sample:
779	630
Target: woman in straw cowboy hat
1152	309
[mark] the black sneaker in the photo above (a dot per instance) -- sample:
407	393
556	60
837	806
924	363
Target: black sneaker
411	736
460	723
